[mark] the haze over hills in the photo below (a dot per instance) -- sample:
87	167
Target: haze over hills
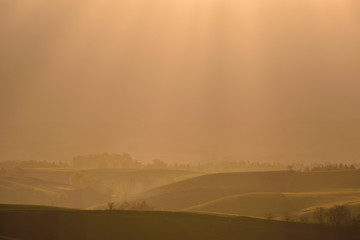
241	116
256	194
180	80
82	188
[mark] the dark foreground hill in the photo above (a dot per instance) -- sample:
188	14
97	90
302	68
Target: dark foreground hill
210	187
136	225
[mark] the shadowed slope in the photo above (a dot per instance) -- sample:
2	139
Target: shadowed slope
87	225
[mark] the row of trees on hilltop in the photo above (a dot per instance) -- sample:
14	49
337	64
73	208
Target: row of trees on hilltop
332	167
316	167
126	161
142	205
105	160
123	161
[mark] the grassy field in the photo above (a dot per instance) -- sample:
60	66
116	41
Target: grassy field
276	204
202	189
156	177
29	223
30	190
54	186
256	194
35	183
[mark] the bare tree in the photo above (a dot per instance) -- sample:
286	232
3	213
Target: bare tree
339	215
355	220
135	206
304	219
287	216
290	168
319	215
111	205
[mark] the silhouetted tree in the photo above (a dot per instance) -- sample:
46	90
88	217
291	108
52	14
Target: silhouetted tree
135	206
339	215
355	220
319	215
287	216
303	219
111	205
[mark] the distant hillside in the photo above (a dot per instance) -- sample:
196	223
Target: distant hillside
137	225
82	188
30	190
263	204
210	187
144	179
36	183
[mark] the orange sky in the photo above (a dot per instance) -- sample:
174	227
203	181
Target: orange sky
180	79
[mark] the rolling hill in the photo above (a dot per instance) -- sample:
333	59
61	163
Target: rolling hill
198	190
135	225
30	190
132	179
55	186
276	204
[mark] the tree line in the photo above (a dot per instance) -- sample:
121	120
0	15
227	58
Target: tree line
141	205
338	215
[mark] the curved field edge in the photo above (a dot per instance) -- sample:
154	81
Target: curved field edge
198	190
261	204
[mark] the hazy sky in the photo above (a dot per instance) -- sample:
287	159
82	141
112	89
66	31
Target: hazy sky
180	79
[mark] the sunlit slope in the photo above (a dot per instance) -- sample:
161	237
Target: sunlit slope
202	189
17	207
29	190
149	177
86	225
263	204
35	183
54	186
